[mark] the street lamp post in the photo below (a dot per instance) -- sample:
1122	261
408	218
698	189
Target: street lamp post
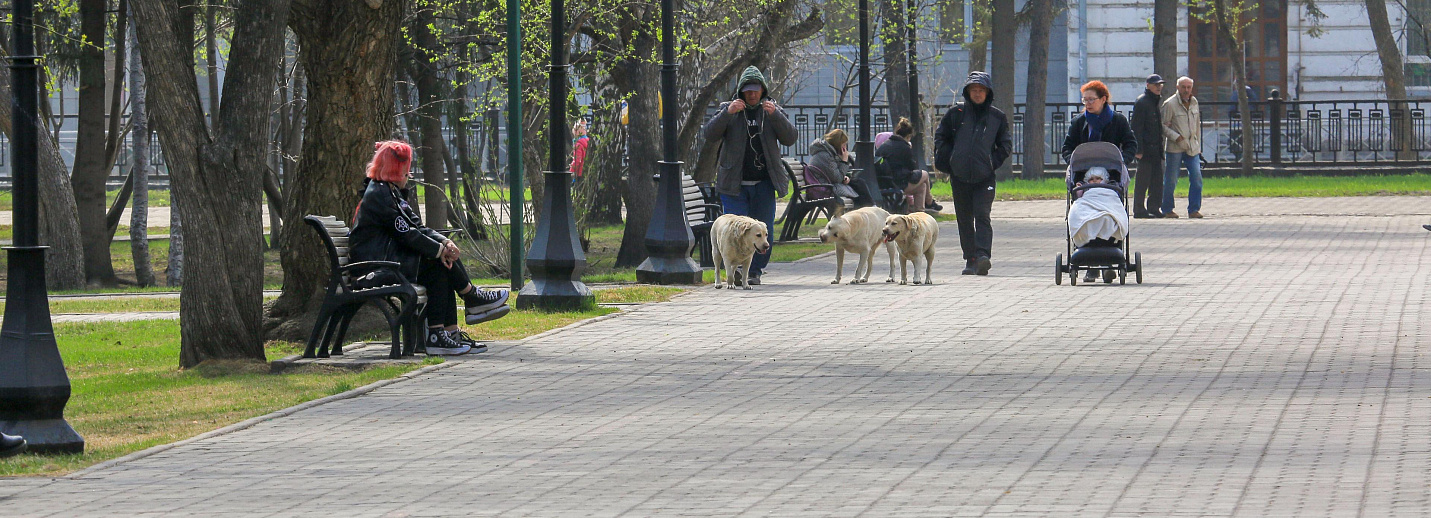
915	113
514	138
33	385
864	147
556	259
668	237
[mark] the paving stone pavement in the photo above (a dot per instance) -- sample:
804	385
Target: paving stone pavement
1270	366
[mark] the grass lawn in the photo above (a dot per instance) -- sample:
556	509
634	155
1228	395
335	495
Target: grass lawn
129	393
1253	186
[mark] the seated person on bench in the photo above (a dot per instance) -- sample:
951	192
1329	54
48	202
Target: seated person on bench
386	228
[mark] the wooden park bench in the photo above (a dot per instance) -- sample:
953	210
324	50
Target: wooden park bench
401	303
808	201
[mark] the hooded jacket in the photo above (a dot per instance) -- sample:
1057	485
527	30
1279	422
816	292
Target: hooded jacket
730	129
388	229
973	139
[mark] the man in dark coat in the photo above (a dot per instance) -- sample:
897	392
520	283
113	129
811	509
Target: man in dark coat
1148	130
971	143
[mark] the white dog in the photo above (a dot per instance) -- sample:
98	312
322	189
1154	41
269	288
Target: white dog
915	234
734	242
858	231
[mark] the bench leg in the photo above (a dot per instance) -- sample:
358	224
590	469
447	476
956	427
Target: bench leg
343	330
324	314
794	216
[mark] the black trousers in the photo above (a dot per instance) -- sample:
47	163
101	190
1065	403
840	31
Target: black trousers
972	203
442	284
1148	184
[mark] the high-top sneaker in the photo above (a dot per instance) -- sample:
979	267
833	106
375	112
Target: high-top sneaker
441	343
486	305
467	340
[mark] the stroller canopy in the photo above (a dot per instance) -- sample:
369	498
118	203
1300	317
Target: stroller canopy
1097	154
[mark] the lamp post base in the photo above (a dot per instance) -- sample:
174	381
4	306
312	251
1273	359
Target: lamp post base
665	270
46	435
34	387
556	295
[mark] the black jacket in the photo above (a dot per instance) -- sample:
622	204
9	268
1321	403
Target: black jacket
972	142
1148	123
1118	132
388	229
895	164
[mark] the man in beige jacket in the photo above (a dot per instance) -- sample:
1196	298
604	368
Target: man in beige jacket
1182	127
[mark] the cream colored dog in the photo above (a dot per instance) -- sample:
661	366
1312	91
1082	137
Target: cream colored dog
915	234
858	231
734	242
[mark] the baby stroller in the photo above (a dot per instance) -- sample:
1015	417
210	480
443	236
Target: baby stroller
1107	256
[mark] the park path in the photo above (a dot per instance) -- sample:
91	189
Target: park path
1271	365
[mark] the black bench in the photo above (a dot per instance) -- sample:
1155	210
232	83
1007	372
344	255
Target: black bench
401	303
808	201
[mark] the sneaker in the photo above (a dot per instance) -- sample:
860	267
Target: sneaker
1142	215
487	316
1427	227
481	301
1170	215
937	207
441	343
1195	215
467	340
931	211
12	445
984	265
754	280
738	277
1090	276
969	268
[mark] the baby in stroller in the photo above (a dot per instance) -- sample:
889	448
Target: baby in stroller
1097	215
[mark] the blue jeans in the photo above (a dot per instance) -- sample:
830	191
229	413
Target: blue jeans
756	201
1170	180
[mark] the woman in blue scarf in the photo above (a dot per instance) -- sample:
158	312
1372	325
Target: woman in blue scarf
1100	123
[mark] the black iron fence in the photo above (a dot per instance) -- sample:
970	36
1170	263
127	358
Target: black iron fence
1312	133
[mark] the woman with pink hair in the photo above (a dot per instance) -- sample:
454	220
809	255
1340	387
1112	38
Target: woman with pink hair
386	228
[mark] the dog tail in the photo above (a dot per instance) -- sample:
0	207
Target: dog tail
838	211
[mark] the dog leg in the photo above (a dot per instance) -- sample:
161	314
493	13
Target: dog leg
719	262
903	270
918	269
889	247
839	263
929	266
745	279
862	271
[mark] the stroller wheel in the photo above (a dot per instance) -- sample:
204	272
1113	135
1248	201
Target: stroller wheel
1058	270
1138	272
1122	277
1072	275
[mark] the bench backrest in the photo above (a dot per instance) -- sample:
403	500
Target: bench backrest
334	234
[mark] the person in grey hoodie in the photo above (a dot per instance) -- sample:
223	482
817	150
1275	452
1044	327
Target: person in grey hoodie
971	143
749	174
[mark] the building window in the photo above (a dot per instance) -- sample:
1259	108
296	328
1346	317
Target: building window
1418	75
1418	28
951	21
842	22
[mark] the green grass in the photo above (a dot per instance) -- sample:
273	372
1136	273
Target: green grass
129	394
1251	186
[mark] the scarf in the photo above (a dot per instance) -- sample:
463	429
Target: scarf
1098	121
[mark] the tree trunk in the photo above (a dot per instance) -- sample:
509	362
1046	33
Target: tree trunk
603	167
211	47
90	171
174	269
1165	42
348	53
1004	29
423	70
1393	76
896	59
1239	84
1041	19
139	166
59	228
978	44
640	78
217	174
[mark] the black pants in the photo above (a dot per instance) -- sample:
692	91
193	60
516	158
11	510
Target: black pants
442	284
862	188
1148	184
972	203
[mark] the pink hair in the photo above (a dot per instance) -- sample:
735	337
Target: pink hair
391	160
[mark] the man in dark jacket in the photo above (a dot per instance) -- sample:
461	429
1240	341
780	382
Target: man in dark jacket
750	175
1148	129
971	143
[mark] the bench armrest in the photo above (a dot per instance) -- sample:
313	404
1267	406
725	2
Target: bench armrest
368	264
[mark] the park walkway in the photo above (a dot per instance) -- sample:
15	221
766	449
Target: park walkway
1271	365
